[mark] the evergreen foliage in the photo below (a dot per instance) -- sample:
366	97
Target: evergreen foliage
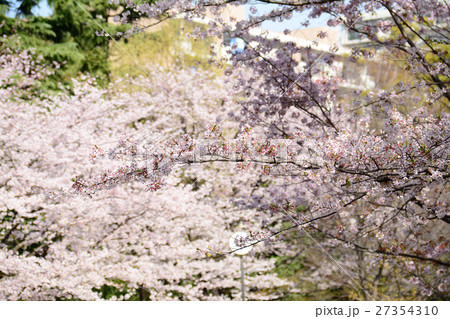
67	36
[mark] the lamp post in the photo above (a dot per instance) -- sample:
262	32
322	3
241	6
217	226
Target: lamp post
241	257
240	252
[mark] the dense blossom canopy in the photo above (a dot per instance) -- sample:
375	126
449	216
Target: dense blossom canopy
353	182
127	244
371	165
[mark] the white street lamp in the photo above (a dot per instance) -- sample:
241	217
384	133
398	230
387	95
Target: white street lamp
238	240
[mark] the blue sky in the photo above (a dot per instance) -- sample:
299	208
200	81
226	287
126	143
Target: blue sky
294	23
43	9
291	24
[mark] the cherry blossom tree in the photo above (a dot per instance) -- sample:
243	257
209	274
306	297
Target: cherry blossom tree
127	244
316	157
